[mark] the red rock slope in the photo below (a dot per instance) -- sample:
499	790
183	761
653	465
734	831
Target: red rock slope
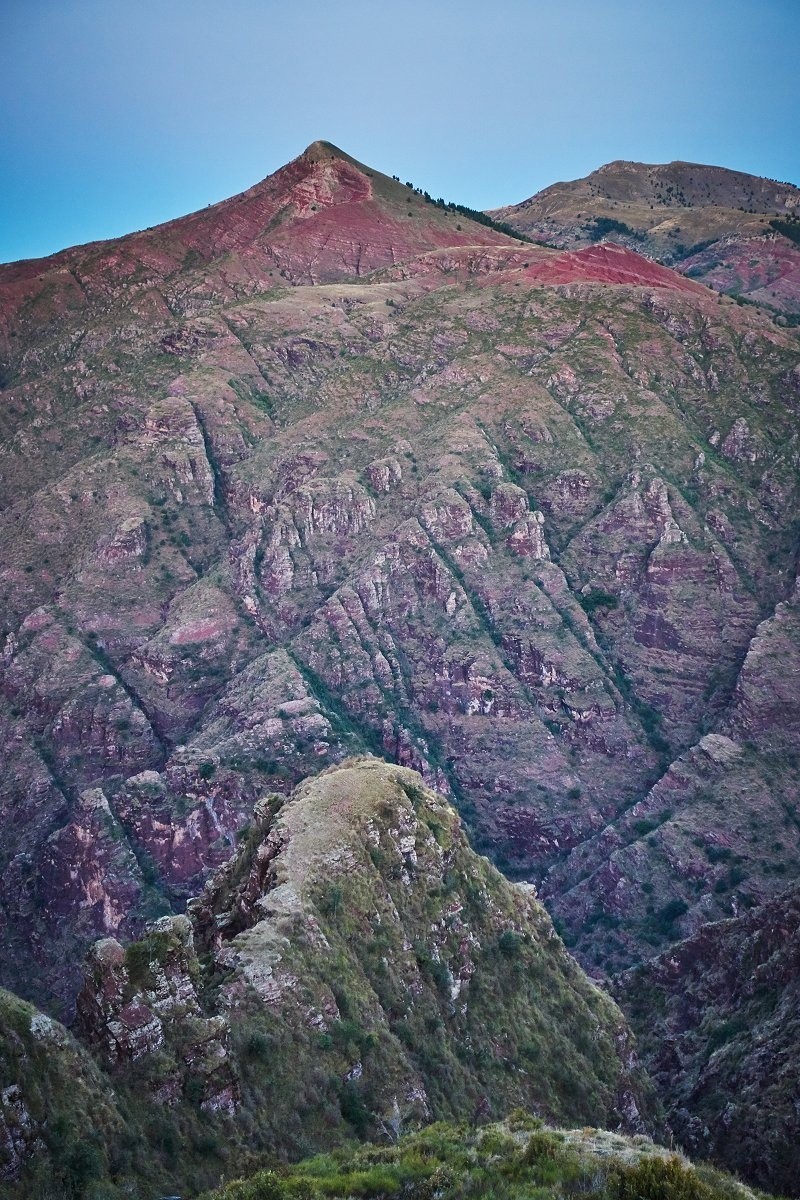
322	218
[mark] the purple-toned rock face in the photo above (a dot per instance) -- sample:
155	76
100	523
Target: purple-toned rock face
717	1018
327	467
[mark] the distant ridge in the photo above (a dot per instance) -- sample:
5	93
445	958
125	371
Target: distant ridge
735	232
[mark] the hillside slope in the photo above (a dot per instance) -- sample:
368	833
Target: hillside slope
521	518
322	217
58	1113
738	233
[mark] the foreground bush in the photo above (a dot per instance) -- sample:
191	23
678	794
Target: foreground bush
518	1160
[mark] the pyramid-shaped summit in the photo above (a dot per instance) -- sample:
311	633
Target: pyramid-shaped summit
323	217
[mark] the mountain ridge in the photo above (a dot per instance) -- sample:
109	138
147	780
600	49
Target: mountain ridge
303	182
519	518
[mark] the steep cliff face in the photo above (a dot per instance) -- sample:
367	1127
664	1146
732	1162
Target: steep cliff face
737	233
508	516
715	836
719	1019
142	1003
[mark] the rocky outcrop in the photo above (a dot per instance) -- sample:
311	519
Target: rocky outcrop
764	705
356	969
142	1001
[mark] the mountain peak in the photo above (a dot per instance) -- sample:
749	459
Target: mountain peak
322	217
321	149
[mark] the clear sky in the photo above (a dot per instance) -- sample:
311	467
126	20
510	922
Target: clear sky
119	114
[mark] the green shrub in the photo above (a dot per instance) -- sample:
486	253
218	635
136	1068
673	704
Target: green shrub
520	1119
666	917
415	793
329	902
83	1163
137	961
597	598
264	1186
542	1145
354	1110
258	1045
510	943
600	227
643	827
657	1179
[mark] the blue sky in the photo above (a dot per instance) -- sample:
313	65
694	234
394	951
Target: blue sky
118	114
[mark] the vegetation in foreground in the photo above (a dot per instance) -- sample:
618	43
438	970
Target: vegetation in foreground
519	1159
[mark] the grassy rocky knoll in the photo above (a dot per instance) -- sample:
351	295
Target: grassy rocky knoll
329	468
738	233
356	970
